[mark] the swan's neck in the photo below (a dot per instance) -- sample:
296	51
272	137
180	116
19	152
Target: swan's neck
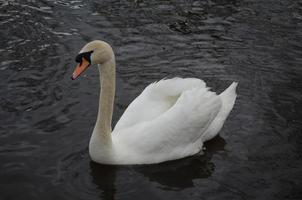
107	81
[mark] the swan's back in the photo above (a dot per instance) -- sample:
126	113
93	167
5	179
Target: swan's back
156	99
175	131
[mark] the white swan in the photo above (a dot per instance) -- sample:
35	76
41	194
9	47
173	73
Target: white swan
169	120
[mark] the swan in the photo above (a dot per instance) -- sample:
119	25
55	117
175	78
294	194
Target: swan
170	119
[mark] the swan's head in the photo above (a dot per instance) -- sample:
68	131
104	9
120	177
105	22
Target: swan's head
95	52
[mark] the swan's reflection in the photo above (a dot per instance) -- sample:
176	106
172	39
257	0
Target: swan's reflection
179	174
104	177
173	175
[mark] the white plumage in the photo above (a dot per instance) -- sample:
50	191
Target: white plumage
155	128
170	119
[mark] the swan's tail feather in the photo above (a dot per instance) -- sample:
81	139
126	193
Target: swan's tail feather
229	95
228	98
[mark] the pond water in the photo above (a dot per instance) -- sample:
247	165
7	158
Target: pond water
46	119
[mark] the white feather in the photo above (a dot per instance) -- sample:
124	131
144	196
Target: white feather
169	120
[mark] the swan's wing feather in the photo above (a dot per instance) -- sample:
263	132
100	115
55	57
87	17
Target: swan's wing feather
176	132
173	87
155	100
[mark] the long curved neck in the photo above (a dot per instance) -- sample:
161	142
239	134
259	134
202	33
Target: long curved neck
107	81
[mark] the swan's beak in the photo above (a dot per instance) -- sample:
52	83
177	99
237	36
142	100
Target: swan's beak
80	68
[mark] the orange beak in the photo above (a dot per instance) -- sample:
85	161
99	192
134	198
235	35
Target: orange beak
80	68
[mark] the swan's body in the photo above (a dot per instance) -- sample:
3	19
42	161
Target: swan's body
170	119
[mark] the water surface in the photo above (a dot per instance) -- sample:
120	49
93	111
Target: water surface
46	119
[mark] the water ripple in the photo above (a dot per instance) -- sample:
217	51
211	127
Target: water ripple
46	119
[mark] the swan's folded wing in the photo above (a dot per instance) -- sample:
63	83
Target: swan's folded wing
155	100
177	132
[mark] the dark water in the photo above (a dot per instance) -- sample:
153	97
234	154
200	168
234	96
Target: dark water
47	119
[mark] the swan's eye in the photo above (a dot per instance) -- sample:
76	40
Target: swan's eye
85	55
